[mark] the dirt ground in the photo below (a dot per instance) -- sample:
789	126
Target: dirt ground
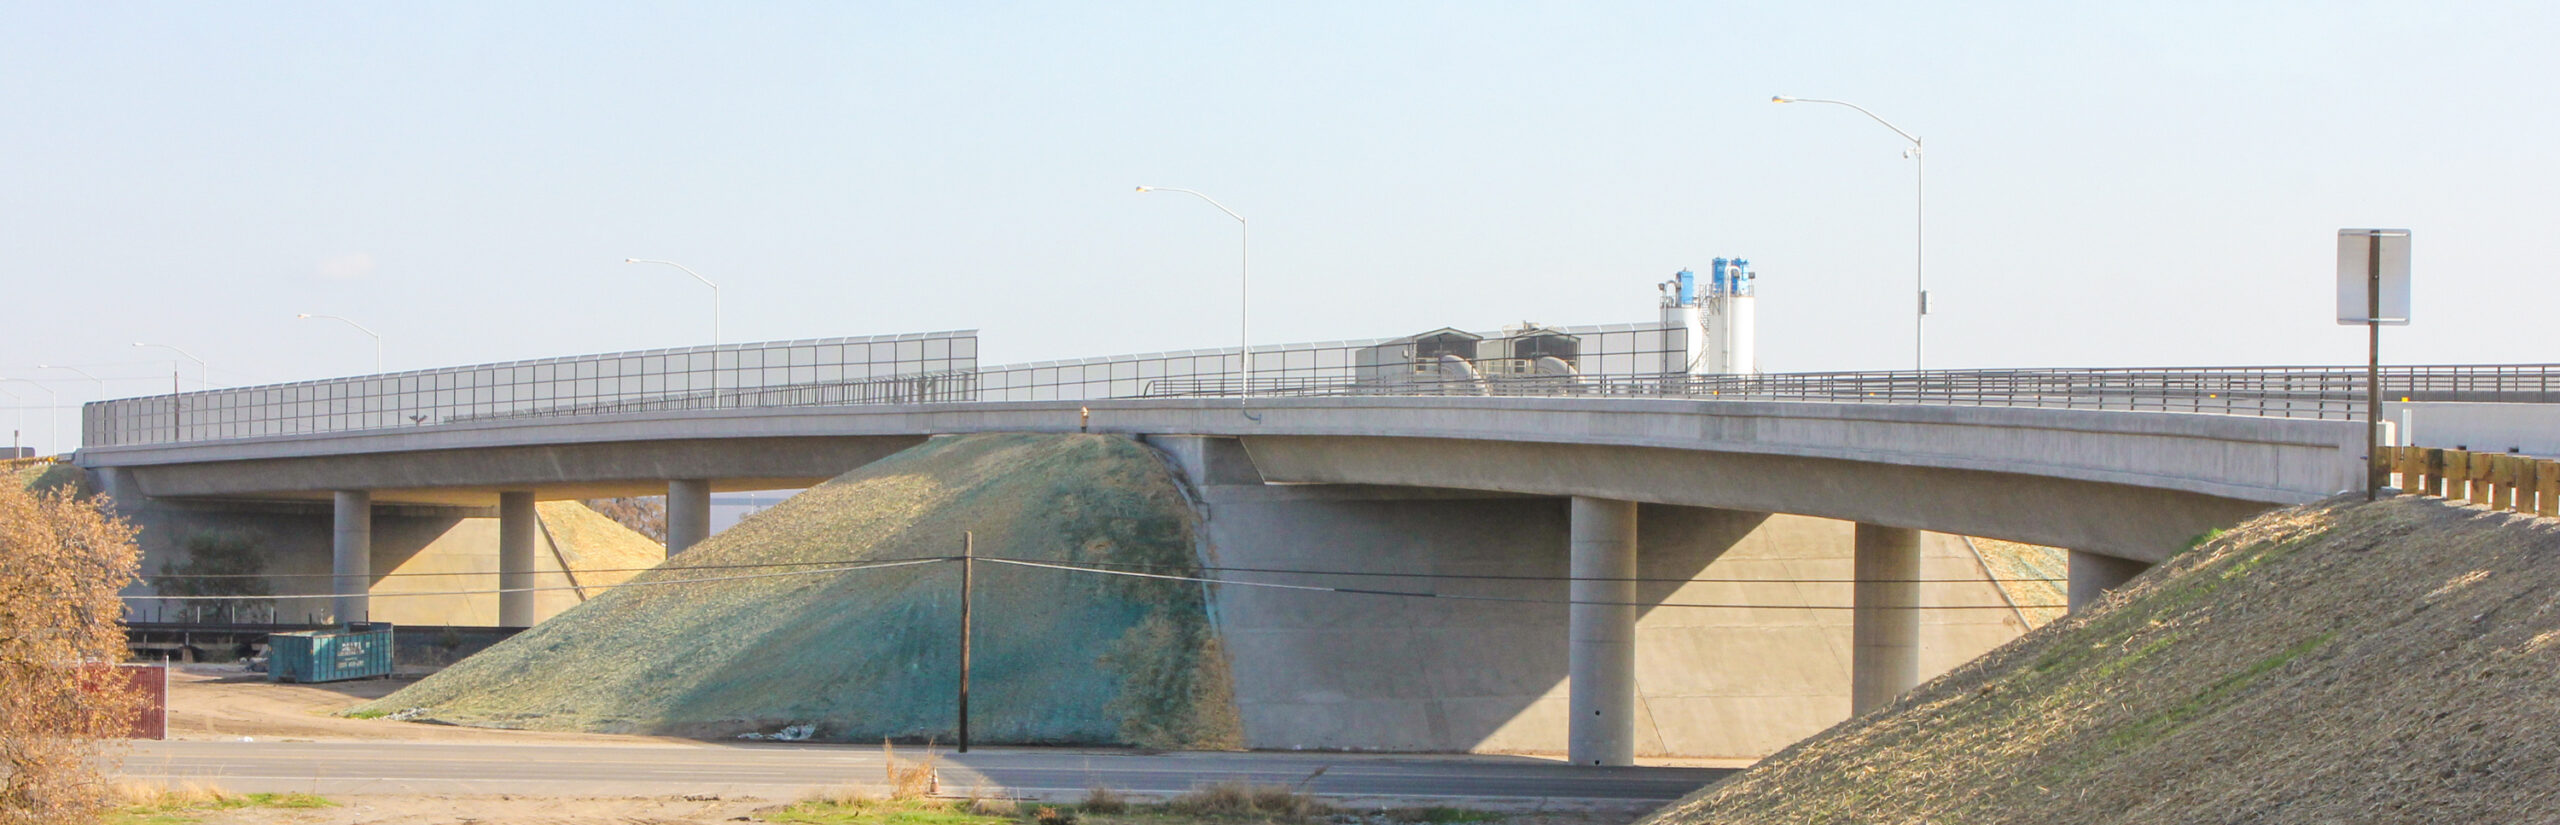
520	810
494	810
225	701
229	702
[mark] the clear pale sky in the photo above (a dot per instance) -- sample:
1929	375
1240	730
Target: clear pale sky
2109	184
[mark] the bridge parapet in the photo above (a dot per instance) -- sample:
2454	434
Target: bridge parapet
1598	361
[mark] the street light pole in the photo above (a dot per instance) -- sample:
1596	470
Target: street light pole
177	394
173	367
377	337
715	291
52	414
16	433
102	387
1919	220
1244	271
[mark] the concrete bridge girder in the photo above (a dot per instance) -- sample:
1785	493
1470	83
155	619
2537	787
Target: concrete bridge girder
2137	523
478	477
2135	485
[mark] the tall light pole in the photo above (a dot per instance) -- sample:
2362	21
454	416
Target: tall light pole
177	394
1920	212
17	434
1244	270
52	414
102	384
377	337
173	367
715	291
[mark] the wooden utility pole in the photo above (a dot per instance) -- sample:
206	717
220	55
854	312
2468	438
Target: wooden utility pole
968	570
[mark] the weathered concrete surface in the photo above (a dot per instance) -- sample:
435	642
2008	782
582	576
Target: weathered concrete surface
351	555
688	513
1601	659
2131	484
576	554
430	549
2094	574
1885	627
1766	666
475	477
2133	522
518	520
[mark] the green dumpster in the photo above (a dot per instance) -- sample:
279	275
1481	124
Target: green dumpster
360	650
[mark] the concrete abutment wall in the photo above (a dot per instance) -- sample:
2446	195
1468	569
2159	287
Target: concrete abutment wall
1741	644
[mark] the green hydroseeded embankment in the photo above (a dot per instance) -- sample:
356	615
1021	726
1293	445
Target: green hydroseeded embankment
2396	661
863	655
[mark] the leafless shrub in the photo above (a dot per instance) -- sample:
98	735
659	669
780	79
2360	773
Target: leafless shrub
645	515
1243	799
1103	800
910	779
62	559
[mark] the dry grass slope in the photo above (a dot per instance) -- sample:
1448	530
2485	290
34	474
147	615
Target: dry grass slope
2327	663
870	654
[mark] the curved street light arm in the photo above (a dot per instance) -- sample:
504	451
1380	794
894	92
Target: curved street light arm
715	290
1212	201
1915	139
1919	218
376	336
102	383
1244	278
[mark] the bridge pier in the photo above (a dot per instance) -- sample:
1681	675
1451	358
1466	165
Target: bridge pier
688	513
351	556
1601	663
2093	575
517	521
1884	659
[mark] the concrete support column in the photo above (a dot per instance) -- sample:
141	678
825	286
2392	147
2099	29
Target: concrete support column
2093	574
517	522
688	513
1602	660
1885	623
351	554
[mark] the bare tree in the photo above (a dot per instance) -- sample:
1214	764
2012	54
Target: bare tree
645	515
62	703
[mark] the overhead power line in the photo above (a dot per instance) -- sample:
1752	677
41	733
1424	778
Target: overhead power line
1362	591
870	566
1472	598
1209	568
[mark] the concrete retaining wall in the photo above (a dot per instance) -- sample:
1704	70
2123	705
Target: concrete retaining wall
1329	670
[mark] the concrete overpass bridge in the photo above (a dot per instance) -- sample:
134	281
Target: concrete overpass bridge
2122	467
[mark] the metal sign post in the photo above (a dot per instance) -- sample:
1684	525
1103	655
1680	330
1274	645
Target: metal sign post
2373	290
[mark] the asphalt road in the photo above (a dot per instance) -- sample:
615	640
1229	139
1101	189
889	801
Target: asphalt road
787	771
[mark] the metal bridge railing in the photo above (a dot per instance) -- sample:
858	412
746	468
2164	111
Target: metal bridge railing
1612	361
875	369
